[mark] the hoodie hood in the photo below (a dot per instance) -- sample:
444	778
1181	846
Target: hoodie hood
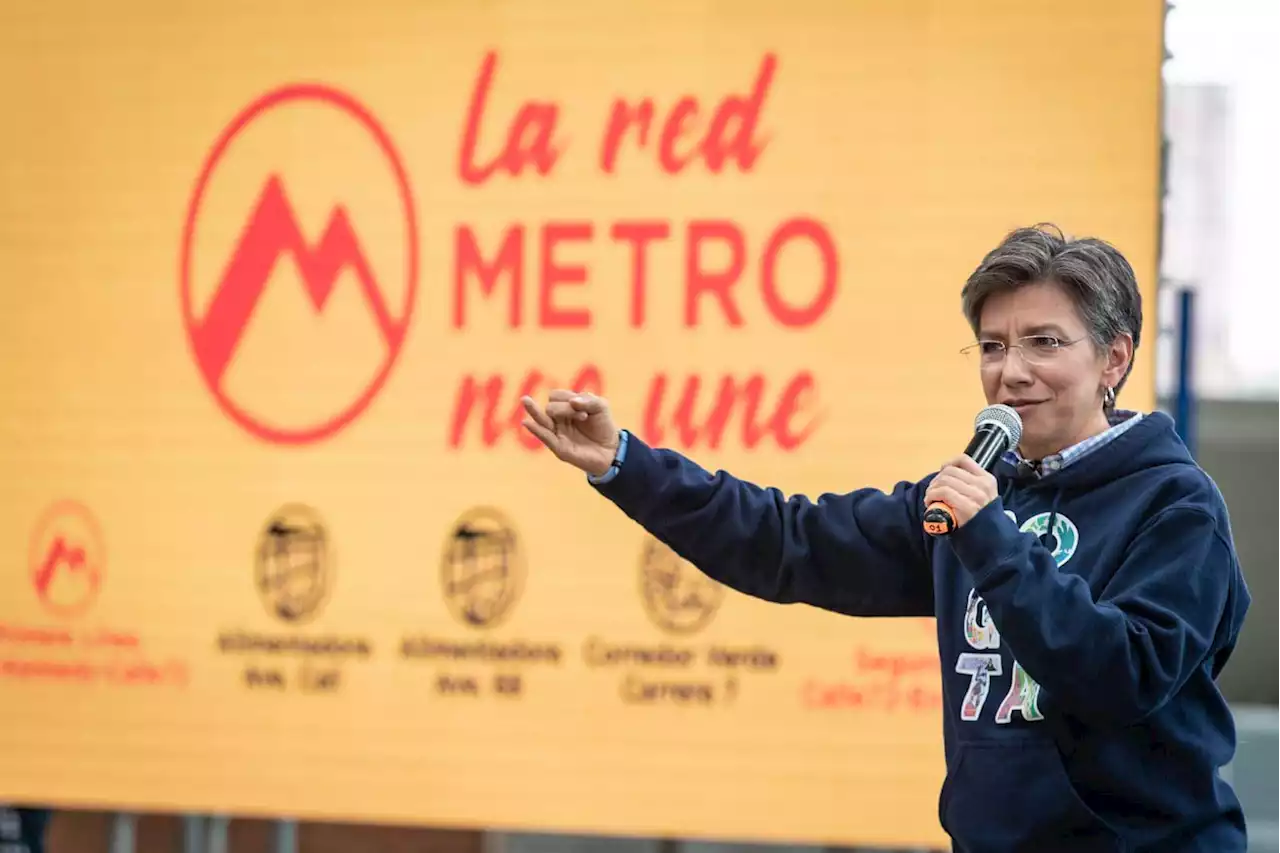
1152	442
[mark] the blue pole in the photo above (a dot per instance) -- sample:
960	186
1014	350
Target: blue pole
193	831
286	836
1184	404
124	833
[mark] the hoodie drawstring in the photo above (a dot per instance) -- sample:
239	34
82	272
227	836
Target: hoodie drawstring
1053	518
1048	538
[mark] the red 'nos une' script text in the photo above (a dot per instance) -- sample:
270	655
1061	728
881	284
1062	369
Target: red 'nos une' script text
526	275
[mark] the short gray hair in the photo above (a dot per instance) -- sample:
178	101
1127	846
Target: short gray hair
1099	280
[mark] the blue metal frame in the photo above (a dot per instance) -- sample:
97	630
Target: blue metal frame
1184	403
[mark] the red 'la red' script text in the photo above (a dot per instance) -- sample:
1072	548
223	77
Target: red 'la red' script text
531	142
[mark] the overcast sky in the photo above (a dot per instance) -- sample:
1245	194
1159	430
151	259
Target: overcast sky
1237	43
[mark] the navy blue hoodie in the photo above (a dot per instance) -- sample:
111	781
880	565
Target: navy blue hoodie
1078	670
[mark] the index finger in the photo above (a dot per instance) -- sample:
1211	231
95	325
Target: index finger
535	411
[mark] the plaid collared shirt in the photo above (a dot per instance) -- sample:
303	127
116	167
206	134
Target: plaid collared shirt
1121	422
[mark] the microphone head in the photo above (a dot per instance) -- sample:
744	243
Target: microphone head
1003	417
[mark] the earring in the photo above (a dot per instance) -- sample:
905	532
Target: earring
1109	398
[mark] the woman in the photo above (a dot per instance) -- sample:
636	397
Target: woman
1085	603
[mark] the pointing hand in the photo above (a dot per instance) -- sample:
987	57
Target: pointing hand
576	427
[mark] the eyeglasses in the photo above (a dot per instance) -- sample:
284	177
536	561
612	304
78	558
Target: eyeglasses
1035	349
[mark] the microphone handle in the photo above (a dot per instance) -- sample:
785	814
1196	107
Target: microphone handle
986	447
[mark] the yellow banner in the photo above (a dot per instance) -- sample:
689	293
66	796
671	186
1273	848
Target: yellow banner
277	276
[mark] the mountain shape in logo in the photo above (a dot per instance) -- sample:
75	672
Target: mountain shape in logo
272	232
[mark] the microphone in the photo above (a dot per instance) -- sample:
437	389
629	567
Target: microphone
996	429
